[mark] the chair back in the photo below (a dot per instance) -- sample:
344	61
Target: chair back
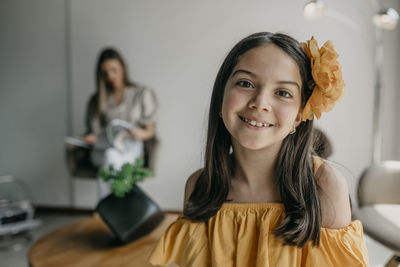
380	184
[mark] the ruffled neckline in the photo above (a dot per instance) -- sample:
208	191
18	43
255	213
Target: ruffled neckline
245	205
241	206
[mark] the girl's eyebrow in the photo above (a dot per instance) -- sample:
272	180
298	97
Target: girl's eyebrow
244	71
289	82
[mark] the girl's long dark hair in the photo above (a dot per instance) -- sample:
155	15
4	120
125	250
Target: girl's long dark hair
294	169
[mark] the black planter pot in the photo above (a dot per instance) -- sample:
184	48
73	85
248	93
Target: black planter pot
131	217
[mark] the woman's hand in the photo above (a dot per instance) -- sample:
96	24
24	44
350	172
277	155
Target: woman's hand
143	134
90	138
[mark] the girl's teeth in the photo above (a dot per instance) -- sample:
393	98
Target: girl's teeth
254	123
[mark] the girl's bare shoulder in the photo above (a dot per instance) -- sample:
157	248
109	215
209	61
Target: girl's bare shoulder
334	196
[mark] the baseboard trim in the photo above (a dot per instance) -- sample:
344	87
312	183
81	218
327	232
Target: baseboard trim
41	209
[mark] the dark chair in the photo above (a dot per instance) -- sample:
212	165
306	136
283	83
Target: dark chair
78	160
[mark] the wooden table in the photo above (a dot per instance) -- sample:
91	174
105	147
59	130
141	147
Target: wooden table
90	243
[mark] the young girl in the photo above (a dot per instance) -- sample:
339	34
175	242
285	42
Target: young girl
118	98
262	198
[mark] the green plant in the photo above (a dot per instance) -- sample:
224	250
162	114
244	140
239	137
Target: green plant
124	179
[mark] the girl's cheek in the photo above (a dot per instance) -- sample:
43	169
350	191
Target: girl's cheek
229	100
287	111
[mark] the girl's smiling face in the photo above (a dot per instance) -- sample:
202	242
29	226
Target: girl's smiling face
262	98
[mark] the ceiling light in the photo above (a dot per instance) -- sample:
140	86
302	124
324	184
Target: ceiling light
314	9
386	19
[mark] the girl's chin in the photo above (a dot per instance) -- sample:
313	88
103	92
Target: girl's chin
255	145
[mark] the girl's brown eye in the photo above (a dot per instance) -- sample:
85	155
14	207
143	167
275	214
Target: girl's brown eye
245	84
284	94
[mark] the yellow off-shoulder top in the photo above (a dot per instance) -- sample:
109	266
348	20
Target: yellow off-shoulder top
240	235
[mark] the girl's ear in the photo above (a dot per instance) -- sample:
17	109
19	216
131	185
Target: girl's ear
299	118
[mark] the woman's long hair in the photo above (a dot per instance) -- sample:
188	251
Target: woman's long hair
104	89
294	169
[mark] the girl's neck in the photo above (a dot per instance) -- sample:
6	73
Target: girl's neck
255	168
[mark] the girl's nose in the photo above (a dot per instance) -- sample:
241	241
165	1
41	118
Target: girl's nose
260	101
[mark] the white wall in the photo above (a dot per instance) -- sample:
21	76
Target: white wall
176	47
33	98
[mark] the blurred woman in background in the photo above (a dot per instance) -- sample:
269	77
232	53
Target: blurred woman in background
117	97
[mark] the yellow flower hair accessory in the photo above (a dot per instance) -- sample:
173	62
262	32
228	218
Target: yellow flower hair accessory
327	75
